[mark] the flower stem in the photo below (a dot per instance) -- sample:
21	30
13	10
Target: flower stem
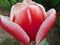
32	43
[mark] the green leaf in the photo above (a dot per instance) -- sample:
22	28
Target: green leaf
5	4
12	2
32	43
44	42
19	0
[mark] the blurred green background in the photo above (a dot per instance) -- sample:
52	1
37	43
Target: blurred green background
53	36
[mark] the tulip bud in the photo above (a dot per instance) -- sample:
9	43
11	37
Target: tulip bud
29	16
29	22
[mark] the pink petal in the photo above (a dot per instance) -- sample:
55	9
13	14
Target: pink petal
30	19
42	8
45	27
15	30
15	10
35	17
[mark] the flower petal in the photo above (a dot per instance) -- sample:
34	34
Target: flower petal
35	19
15	30
46	25
12	13
42	8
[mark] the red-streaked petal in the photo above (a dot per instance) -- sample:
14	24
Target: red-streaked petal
30	19
42	8
36	18
15	30
46	25
5	17
15	10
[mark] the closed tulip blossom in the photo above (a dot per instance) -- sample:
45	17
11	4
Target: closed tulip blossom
28	22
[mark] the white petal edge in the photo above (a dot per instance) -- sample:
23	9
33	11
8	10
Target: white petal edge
45	26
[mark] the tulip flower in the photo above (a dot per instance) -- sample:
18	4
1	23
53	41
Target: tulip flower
28	22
